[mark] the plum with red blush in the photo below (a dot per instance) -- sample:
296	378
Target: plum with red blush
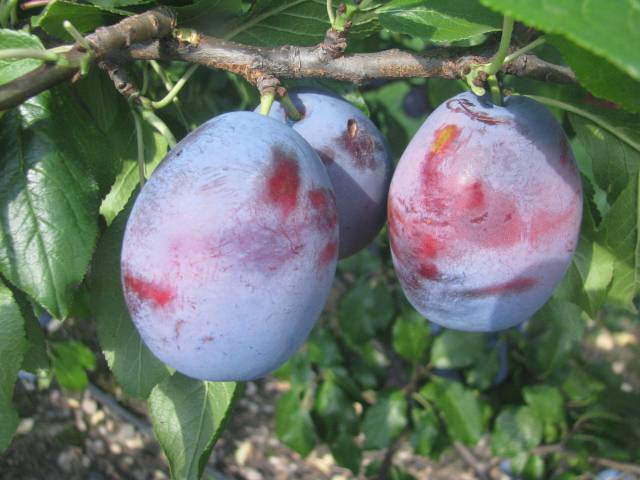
484	212
357	159
231	248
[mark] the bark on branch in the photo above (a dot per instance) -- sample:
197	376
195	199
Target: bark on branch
146	37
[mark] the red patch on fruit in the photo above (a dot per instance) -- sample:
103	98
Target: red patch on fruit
283	181
467	107
453	210
361	145
429	270
324	215
328	253
546	225
474	197
159	295
207	339
512	287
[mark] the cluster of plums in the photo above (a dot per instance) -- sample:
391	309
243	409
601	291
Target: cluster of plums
231	247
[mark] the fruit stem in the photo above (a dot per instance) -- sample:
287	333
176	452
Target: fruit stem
266	100
593	118
496	95
331	15
14	53
293	113
503	49
140	143
527	48
176	88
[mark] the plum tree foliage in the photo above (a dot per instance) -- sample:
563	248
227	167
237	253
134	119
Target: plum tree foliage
511	130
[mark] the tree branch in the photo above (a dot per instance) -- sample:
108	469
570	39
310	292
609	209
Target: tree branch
146	37
308	62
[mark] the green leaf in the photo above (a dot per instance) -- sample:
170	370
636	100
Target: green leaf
614	163
619	232
13	344
136	369
322	348
547	405
364	310
128	178
606	81
188	417
210	17
282	22
114	4
588	278
334	410
426	434
439	20
456	349
86	18
610	32
581	386
12	69
556	329
294	426
411	336
114	163
49	224
460	407
35	357
517	430
346	452
70	361
483	372
385	420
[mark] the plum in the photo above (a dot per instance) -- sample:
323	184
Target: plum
231	248
357	159
484	212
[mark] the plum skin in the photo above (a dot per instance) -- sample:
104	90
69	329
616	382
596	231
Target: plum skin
230	249
357	159
484	212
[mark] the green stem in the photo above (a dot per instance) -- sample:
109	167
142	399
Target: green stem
293	113
503	49
145	79
418	397
14	53
176	88
140	143
496	95
8	13
266	100
332	17
161	127
527	48
168	84
77	36
593	118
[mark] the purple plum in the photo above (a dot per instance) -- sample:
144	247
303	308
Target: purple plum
357	159
231	248
484	212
